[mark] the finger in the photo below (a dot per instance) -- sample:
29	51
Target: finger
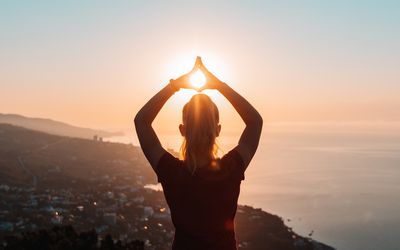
196	64
191	72
204	69
198	61
202	88
207	74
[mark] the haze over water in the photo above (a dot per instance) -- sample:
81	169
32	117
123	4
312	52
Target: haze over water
338	179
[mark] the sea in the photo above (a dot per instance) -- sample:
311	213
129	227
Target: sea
337	182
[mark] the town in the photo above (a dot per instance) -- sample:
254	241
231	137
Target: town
48	180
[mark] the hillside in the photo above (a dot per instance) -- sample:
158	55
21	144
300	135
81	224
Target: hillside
53	127
48	180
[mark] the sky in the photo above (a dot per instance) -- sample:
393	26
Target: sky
95	63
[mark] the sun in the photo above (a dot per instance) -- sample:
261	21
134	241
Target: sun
198	79
178	64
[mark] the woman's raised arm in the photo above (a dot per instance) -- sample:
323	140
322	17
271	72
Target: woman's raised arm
148	139
250	137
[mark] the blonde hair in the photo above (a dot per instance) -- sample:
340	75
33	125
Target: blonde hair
201	118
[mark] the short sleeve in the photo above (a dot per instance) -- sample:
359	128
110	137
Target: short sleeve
234	162
166	167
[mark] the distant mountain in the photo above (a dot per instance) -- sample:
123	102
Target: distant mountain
54	127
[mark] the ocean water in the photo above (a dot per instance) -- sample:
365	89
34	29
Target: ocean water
339	182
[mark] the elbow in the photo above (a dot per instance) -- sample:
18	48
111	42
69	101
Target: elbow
259	122
256	122
140	121
259	119
137	119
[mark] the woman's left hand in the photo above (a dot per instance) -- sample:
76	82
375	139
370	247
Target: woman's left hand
184	80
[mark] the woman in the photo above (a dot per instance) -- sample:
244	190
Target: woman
201	189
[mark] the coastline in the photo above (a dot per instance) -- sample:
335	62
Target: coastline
337	180
107	193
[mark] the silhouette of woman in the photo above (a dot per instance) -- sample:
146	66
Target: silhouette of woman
201	189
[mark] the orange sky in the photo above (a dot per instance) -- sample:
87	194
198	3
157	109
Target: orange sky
95	65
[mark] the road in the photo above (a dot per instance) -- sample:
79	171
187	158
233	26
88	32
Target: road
26	169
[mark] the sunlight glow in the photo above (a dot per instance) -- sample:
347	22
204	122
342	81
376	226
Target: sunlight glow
179	64
198	79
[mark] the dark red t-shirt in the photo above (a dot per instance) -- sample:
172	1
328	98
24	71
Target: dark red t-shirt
203	205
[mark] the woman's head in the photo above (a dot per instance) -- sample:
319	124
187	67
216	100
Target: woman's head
200	126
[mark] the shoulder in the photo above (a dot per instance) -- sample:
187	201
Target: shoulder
167	166
234	163
232	156
167	157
